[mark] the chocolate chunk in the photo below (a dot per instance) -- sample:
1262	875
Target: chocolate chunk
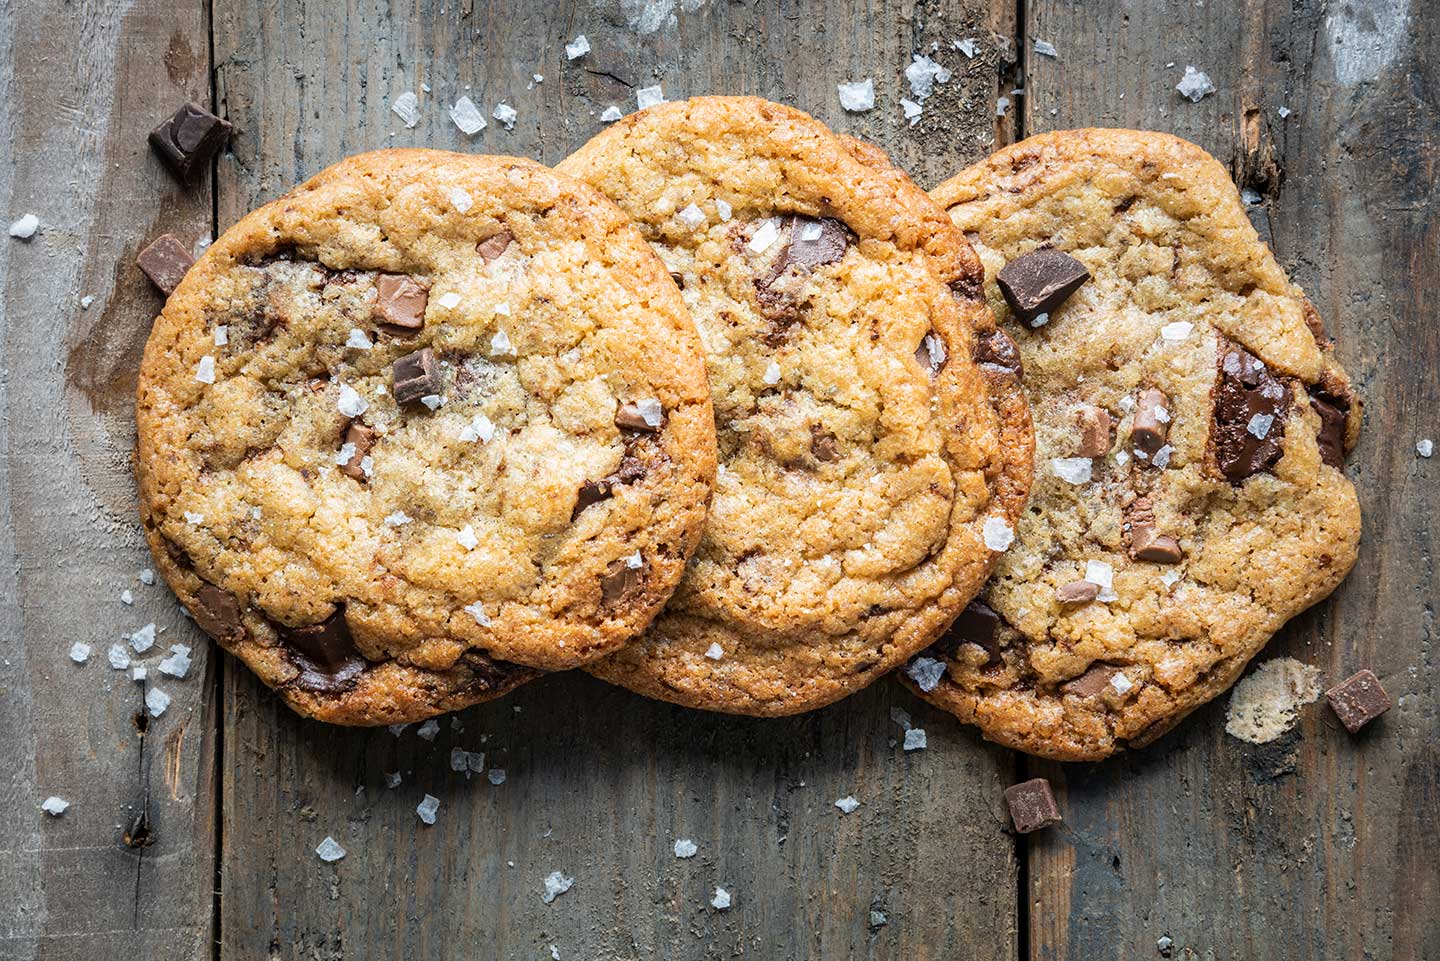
217	612
324	653
1077	592
822	445
1331	437
165	262
1092	682
1250	408
978	624
187	140
1146	544
813	243
594	491
1040	281
492	247
415	376
619	580
997	351
629	417
1094	426
1152	422
1358	700
1032	805
363	438
400	303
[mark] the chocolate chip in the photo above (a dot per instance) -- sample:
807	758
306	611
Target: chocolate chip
1250	408
1331	436
492	247
415	376
1146	544
813	243
1092	682
978	624
1358	700
165	262
679	279
1152	422
1094	424
822	445
217	612
187	140
1040	281
324	653
400	303
628	417
593	492
363	438
619	580
1032	805
1077	592
995	349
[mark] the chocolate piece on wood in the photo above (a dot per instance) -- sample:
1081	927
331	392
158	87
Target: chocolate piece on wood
188	139
1359	699
1032	805
1040	281
165	262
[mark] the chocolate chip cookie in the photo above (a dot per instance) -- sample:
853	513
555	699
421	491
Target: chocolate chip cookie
1191	425
424	424
873	436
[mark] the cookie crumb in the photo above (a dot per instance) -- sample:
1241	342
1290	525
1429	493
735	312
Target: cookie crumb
1266	703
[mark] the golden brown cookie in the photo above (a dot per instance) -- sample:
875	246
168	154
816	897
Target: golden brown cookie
423	420
1191	424
862	454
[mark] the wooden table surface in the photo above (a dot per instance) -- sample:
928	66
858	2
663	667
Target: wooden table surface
194	836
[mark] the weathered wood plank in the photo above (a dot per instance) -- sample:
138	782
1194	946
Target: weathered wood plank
600	783
1314	847
81	86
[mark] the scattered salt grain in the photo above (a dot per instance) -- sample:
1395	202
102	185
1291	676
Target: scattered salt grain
127	598
554	951
467	762
177	665
54	806
923	73
357	340
911	110
1195	85
934	350
467	117
407	108
650	411
857	96
1425	448
477	611
915	739
505	114
721	900
350	403
79	653
397	519
966	46
330	850
496	776
685	848
1177	331
466	537
1249	197
205	370
1260	425
119	657
86	301
1072	470
1046	49
25	227
1121	683
426	809
139	673
1283	112
847	804
772	374
998	534
723	208
878	919
1162	457
649	96
577	48
1102	576
143	639
428	730
480	428
925	672
556	884
634	561
715	652
764	237
396	729
1039	320
692	217
610	114
432	401
222	335
156	701
147	576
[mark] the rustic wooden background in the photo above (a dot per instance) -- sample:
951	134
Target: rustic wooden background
194	837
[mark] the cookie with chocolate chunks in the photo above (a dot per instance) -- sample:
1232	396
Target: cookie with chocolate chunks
870	417
1191	423
424	427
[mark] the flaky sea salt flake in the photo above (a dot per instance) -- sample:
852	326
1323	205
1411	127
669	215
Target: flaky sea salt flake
649	97
1072	470
772	374
330	850
692	217
205	370
1177	331
721	900
685	848
156	701
610	114
466	537
556	884
715	652
857	96
1259	425
426	808
925	672
915	739
118	657
1425	447
467	117
1046	49
25	227
500	345
1195	86
967	46
428	730
496	776
998	534
433	401
79	652
397	519
407	108
350	403
577	48
222	335
143	639
505	114
177	665
923	74
54	806
766	236
477	611
911	110
847	804
650	411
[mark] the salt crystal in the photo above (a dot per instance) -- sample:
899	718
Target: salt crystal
556	884
610	114
54	806
1425	448
966	46
1002	105
1177	331
330	850
1162	456
126	597
1102	576
772	374
692	217
1046	49
505	114
396	729
25	227
222	335
1170	577
357	340
901	717
847	804
723	208
350	403
432	401
649	97
480	428
1039	320
915	739
449	300
685	848
857	96
1074	470
1122	458
998	534
635	561
467	117
1195	85
496	776
178	663
1260	425
500	344
554	951
346	454
426	809
650	411
428	730
193	518
156	701
503	309
466	537
925	672
1249	197
715	652
721	900
477	611
79	652
143	639
1283	112
912	110
577	48
764	237
139	673
536	78
147	576
397	519
86	301
1121	683
205	370
407	108
923	73
878	919
1231	364
469	762
119	657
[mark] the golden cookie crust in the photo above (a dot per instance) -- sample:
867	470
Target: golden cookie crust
855	475
388	558
1162	230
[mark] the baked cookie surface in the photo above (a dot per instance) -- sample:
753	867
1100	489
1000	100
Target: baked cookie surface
1191	423
861	450
425	419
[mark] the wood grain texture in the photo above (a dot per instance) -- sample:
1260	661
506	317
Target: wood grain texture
1315	847
82	84
600	783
